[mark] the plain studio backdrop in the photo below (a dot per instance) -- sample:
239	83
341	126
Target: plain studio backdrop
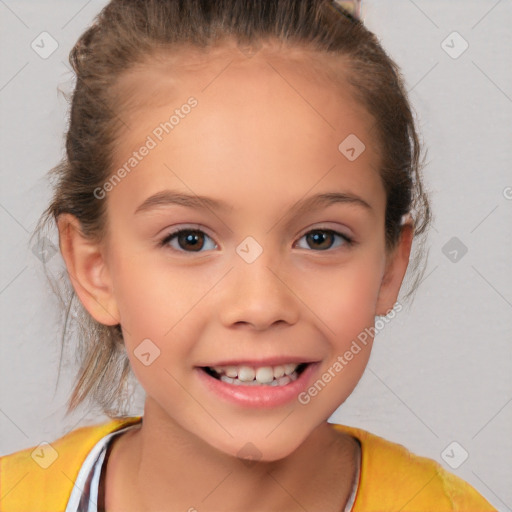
439	380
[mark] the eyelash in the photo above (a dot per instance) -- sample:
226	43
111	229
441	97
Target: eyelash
348	242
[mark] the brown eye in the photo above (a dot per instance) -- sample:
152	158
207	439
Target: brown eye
323	239
188	240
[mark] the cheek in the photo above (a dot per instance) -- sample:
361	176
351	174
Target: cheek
344	297
159	316
346	307
151	298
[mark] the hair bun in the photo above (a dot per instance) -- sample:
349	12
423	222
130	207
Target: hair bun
353	7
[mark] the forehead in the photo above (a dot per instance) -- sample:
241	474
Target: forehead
276	117
150	83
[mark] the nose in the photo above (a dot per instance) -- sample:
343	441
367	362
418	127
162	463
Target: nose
257	295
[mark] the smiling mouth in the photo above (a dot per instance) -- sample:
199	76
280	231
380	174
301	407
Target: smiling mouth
279	375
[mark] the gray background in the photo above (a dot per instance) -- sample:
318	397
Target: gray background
441	370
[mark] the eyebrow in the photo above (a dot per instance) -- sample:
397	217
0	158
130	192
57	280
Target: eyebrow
170	197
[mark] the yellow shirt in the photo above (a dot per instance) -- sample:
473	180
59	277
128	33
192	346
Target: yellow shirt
392	479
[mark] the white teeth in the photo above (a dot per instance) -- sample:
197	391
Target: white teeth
289	368
230	371
246	373
283	380
265	374
278	375
278	371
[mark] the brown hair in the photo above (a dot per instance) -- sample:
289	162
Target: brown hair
126	33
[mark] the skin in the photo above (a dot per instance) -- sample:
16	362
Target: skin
265	134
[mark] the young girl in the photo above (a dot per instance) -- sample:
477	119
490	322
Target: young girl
237	204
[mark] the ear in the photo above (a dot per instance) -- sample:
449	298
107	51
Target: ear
396	266
87	271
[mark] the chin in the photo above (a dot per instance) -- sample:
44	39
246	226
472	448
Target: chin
259	448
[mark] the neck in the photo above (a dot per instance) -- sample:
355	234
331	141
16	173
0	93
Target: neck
160	463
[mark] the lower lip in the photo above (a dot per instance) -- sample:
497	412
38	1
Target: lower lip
258	396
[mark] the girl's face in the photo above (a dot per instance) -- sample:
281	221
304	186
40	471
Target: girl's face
267	277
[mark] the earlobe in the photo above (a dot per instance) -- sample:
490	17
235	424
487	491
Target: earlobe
396	267
87	271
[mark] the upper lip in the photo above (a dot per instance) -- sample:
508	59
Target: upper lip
258	363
